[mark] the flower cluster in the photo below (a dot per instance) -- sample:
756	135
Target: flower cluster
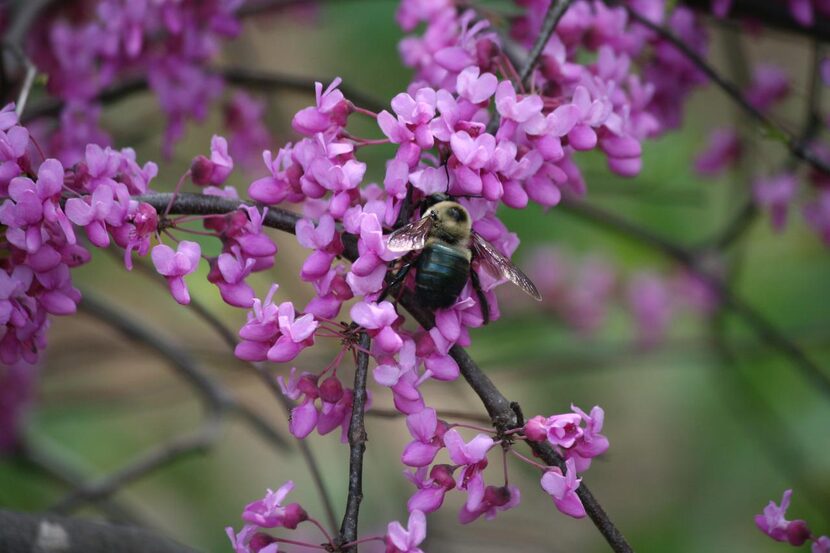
582	292
41	245
773	192
265	514
84	50
773	523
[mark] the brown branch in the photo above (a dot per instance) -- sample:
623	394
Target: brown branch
22	532
357	446
555	12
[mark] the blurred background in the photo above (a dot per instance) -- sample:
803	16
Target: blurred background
706	422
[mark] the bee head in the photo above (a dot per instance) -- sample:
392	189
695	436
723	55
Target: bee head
433	199
452	220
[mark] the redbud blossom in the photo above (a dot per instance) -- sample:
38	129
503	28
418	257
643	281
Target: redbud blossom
174	265
562	488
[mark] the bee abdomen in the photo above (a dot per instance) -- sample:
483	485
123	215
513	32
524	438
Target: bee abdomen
442	273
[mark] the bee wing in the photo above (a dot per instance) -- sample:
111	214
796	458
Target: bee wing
501	267
410	237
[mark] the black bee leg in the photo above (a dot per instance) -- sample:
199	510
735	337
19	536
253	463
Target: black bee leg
396	280
482	299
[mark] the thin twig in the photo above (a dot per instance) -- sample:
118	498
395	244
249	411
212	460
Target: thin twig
555	12
445	414
794	143
747	214
44	459
251	417
357	446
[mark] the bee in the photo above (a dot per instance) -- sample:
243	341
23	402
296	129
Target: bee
449	248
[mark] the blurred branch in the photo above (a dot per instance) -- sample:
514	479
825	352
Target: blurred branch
766	331
48	462
357	446
742	221
796	145
216	403
230	340
770	432
24	532
770	13
251	78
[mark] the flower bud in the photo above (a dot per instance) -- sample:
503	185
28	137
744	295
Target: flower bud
536	429
497	496
331	390
260	541
201	170
294	515
442	475
797	532
307	384
145	219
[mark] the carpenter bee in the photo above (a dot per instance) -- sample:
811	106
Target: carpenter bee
449	248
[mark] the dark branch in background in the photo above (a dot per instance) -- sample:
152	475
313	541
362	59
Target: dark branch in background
260	80
555	12
41	458
216	402
23	533
748	213
230	339
794	143
770	13
357	446
763	328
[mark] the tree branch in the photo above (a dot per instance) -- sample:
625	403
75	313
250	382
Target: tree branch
796	146
555	12
35	533
771	13
357	446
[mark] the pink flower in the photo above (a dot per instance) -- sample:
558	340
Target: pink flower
772	521
174	265
378	318
770	84
650	301
722	151
269	512
562	488
427	432
431	490
817	215
215	170
331	110
487	501
476	87
821	545
775	193
406	540
564	430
